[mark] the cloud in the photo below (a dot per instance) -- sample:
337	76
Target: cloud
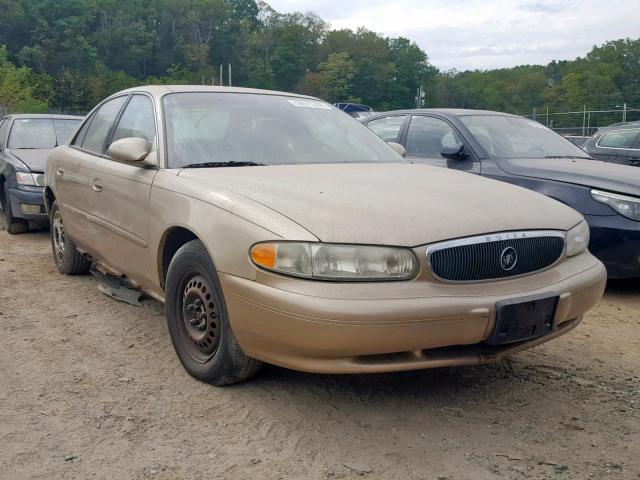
485	34
541	7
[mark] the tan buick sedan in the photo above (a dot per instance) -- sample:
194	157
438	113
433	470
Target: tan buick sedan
278	229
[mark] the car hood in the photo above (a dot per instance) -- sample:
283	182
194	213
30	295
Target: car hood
389	204
591	173
35	159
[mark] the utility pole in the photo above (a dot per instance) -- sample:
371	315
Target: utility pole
624	112
221	82
229	74
547	115
420	97
584	118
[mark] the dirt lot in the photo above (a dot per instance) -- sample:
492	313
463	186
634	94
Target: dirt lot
91	388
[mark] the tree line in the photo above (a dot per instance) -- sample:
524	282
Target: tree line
67	55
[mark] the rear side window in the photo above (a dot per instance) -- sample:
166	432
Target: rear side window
138	120
387	128
626	138
428	136
97	131
82	132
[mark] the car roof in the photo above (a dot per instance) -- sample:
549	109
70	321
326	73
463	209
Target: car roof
43	115
444	112
620	125
161	90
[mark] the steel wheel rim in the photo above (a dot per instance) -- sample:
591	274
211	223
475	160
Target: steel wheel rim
200	318
57	231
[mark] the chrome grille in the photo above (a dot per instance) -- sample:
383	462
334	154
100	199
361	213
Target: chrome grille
489	257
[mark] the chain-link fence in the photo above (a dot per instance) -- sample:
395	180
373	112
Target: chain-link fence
584	122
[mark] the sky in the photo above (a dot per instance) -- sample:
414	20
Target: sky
477	34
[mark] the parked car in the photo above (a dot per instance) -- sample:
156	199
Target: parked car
25	142
356	110
276	229
577	140
618	143
524	152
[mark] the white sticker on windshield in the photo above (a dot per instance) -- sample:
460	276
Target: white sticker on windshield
310	104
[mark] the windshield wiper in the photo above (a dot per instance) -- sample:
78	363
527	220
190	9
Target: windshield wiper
223	164
567	156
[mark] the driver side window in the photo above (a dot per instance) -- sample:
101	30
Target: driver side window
100	125
427	137
138	120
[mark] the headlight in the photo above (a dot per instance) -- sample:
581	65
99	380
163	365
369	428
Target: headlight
320	261
626	206
577	239
24	178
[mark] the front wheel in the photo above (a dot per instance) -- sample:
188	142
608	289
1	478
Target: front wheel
198	322
14	225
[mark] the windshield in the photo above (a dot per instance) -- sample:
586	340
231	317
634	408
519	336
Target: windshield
515	137
43	133
265	129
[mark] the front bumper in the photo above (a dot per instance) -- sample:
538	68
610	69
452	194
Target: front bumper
615	241
381	327
28	195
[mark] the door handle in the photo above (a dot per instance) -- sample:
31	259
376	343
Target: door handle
96	185
60	172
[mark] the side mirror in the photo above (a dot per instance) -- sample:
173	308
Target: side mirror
129	150
398	148
454	152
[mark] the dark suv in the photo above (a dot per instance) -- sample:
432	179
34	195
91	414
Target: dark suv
25	142
618	143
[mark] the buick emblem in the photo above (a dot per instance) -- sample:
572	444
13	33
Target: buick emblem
508	258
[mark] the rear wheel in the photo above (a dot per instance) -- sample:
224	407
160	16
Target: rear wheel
68	259
14	225
198	322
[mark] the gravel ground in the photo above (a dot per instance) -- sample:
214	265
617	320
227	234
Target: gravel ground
91	388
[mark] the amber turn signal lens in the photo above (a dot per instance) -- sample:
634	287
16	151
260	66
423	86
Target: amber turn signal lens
264	255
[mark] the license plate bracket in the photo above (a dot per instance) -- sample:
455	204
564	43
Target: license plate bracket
523	319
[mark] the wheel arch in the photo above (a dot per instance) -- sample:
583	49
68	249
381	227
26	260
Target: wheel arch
172	239
49	198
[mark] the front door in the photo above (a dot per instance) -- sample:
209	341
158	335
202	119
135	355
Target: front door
118	193
122	193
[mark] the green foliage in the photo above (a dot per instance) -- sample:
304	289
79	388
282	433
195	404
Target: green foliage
606	77
16	88
337	73
67	55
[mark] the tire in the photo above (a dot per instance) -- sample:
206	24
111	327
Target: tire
69	260
198	321
14	225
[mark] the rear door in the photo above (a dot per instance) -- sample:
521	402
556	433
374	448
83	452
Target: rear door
73	174
427	136
120	193
620	146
